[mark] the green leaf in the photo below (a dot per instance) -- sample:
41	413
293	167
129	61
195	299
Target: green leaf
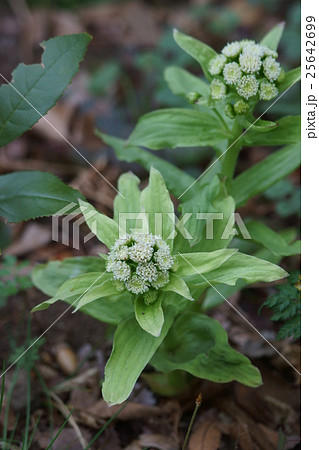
177	284
198	344
49	277
270	239
150	317
105	228
192	263
288	131
291	78
28	195
156	201
132	349
264	174
272	39
39	85
76	286
196	49
181	82
104	290
177	180
241	266
178	127
129	200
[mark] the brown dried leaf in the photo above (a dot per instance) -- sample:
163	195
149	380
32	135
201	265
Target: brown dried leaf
206	437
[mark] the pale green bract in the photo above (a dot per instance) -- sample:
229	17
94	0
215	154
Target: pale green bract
155	283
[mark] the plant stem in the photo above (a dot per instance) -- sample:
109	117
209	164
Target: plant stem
197	406
229	159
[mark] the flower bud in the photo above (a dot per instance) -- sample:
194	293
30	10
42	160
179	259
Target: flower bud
247	86
217	89
229	111
192	97
241	107
267	91
216	64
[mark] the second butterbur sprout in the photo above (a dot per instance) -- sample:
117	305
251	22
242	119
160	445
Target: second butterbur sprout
140	263
247	70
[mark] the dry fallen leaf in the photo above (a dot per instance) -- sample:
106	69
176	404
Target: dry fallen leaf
205	437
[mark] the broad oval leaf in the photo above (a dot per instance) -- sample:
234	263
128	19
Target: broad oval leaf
287	132
36	88
198	344
129	200
132	349
178	127
241	266
76	286
157	203
105	228
177	180
272	38
49	277
28	195
202	262
150	317
177	284
181	82
264	174
196	49
270	239
104	290
291	78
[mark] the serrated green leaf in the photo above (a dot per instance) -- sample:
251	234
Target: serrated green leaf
132	349
196	49
150	317
265	236
105	228
264	174
287	132
156	202
203	262
177	284
39	85
241	266
198	344
177	180
272	38
181	82
178	127
28	195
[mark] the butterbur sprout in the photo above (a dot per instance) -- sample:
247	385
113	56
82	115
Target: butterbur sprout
217	89
244	69
148	261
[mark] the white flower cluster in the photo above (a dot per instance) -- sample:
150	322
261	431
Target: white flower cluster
247	68
140	262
